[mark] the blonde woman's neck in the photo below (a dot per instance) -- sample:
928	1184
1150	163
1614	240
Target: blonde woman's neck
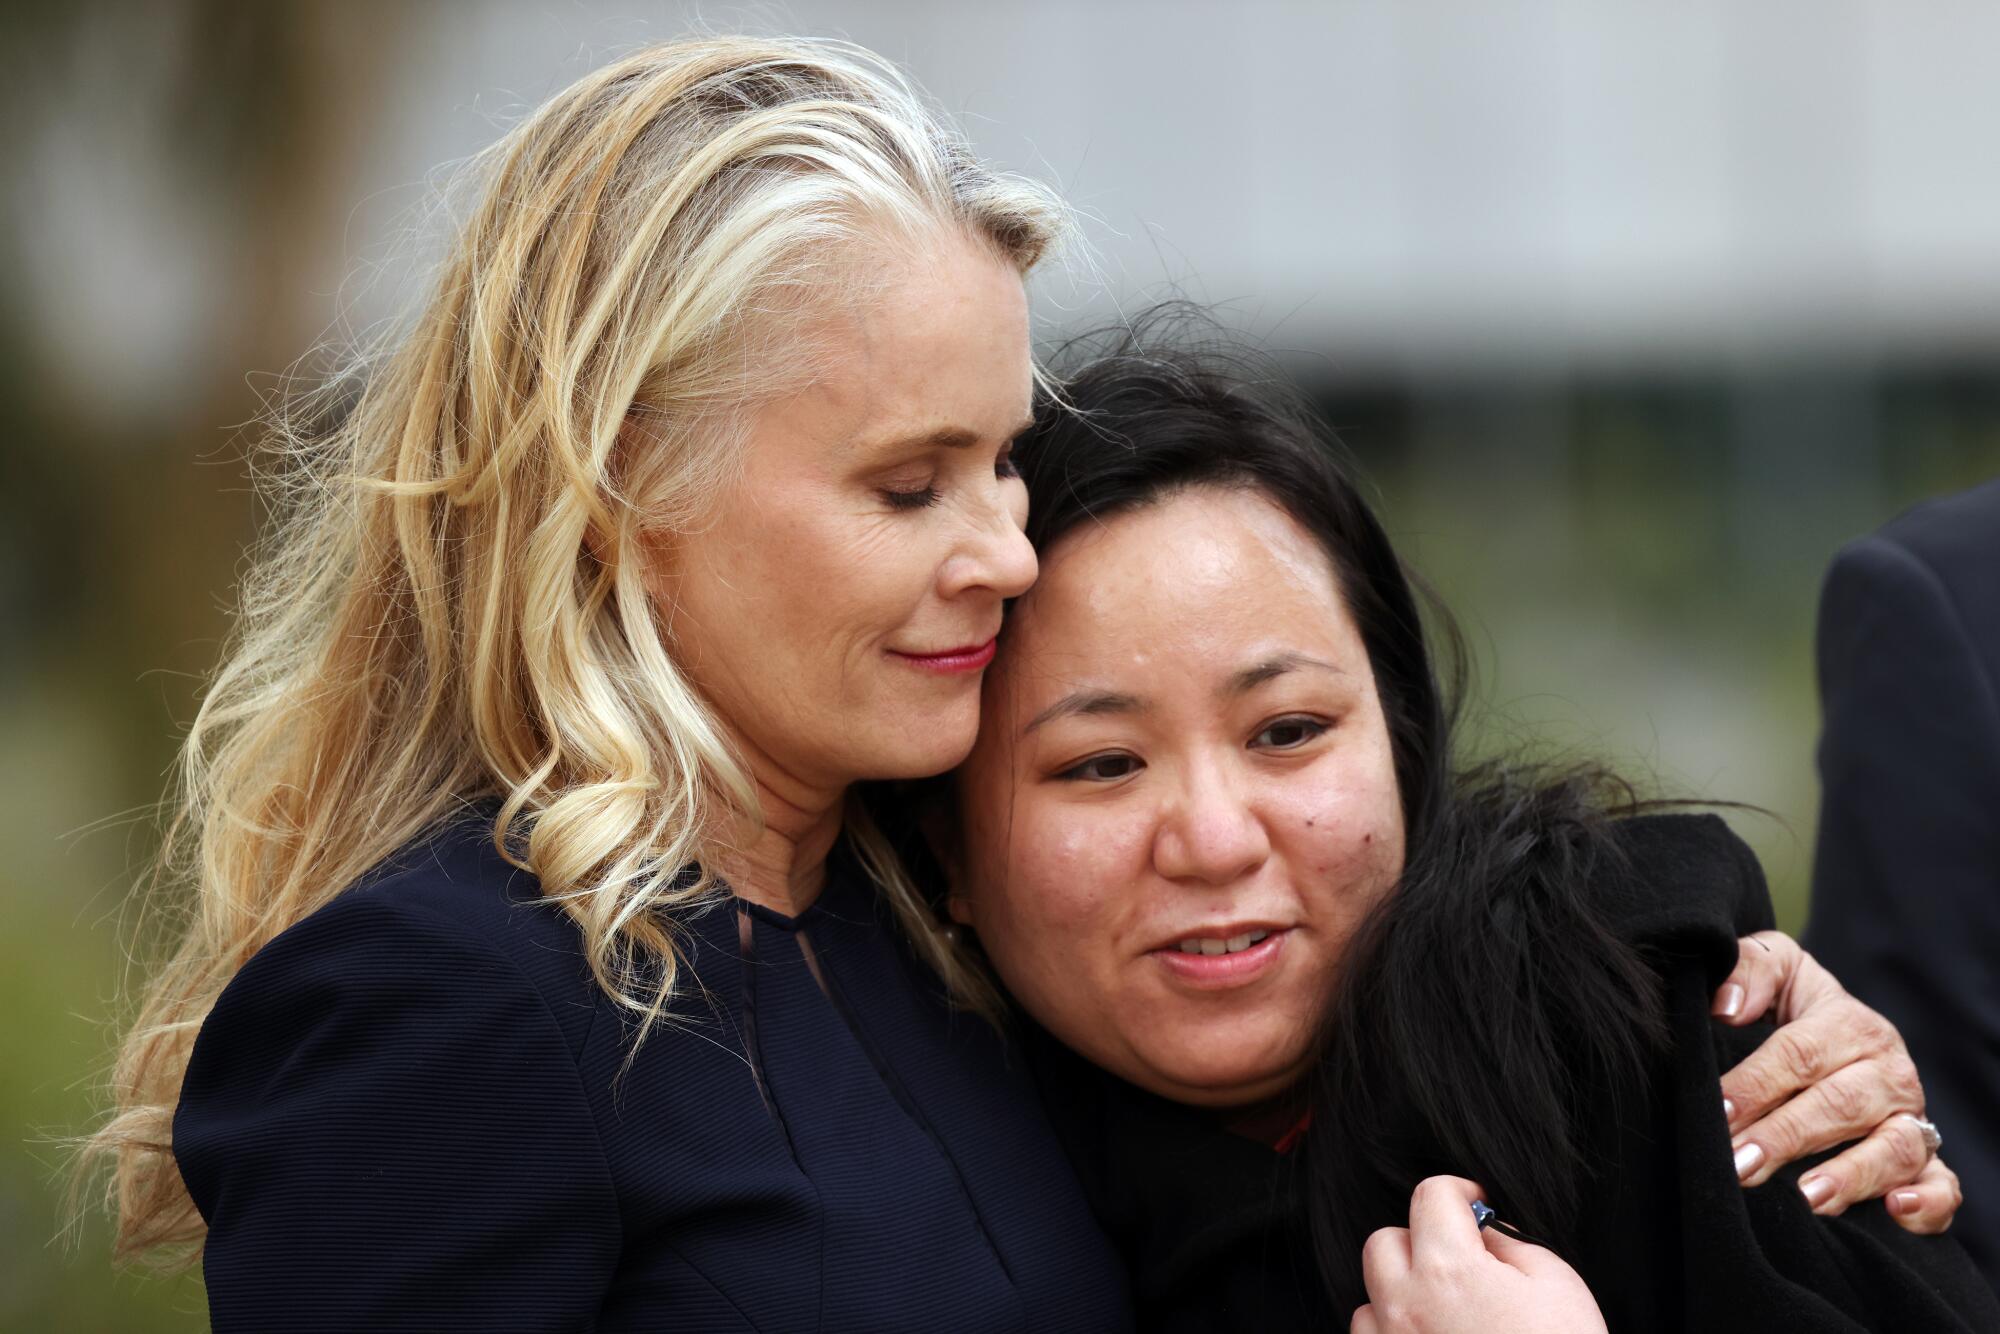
783	865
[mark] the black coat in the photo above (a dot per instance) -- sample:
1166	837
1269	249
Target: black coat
1211	1225
414	1110
1906	881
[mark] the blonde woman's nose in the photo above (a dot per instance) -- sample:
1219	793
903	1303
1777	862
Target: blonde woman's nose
996	555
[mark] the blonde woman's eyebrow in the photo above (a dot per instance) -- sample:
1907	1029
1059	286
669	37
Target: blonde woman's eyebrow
1086	703
1278	664
945	437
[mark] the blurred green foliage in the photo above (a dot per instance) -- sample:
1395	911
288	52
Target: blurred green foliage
1637	564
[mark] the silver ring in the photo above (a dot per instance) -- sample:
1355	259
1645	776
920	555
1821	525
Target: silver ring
1933	1139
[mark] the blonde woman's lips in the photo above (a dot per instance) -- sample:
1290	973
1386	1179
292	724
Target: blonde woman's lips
951	662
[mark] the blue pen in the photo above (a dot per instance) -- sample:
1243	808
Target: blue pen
1485	1215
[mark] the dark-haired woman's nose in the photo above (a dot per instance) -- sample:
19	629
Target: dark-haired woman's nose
1211	835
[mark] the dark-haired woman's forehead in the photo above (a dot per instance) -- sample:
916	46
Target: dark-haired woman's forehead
1195	571
1179	619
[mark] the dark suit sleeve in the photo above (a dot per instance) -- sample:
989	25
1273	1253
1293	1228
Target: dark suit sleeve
383	1127
1906	881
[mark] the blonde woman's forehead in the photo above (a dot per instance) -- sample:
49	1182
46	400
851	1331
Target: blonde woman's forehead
940	359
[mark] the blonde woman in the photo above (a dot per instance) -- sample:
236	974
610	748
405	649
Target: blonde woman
684	508
544	972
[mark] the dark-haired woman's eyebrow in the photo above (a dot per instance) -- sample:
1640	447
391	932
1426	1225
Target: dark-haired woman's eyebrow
1270	669
1086	703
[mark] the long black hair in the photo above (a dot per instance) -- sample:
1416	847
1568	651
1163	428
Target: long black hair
1484	999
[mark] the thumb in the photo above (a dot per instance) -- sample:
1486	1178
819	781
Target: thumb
1532	1260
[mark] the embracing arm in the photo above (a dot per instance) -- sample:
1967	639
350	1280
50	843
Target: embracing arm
1835	1071
1665	1204
383	1128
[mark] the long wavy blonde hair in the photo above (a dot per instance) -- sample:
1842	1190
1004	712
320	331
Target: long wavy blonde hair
451	604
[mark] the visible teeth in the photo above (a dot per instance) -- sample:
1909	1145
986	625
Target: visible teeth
1216	945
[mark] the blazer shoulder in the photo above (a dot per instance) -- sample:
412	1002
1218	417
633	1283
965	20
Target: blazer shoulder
1959	531
446	896
1934	563
386	1090
453	869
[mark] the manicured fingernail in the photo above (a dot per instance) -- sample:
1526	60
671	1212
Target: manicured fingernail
1903	1202
1728	1110
1731	1002
1747	1159
1817	1190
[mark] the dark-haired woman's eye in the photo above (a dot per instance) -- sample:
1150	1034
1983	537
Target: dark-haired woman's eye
1101	768
921	498
1289	733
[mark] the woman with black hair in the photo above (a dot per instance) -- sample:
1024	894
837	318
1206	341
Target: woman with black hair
1214	838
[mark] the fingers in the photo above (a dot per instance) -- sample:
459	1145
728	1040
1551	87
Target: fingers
1863	1099
1925	1205
1442	1272
1385	1259
1837	1029
1442	1234
1928	1204
1443	1231
1893	1155
1530	1259
1837	1032
1765	963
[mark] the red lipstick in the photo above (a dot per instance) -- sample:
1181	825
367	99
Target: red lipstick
951	662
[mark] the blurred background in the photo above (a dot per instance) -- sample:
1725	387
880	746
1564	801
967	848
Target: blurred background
1634	313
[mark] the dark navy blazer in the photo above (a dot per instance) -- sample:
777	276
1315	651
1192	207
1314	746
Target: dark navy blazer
412	1111
1906	879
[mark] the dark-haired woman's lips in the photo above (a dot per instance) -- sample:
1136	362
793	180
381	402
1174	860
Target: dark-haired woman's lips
970	658
1223	961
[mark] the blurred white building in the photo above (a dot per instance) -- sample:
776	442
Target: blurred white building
1398	185
1405	183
